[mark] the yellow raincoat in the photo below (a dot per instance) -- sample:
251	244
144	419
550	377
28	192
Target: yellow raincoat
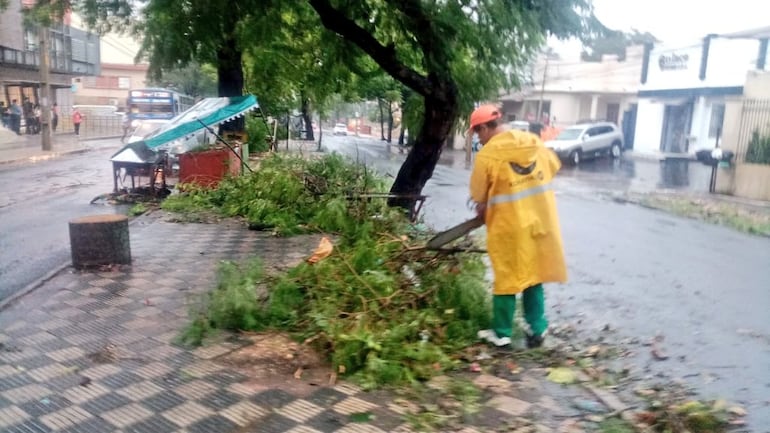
512	175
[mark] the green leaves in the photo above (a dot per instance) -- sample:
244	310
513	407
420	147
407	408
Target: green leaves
376	309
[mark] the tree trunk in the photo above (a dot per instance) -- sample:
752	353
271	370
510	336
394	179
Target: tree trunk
307	120
440	113
99	240
382	119
390	122
230	73
402	134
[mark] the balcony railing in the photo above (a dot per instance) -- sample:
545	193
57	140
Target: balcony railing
31	59
59	62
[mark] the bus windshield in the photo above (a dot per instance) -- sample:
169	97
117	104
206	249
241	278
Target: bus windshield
156	104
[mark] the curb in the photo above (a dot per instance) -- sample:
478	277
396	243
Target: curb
31	287
46	157
641	156
52	155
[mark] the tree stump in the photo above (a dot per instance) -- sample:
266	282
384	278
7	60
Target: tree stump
99	240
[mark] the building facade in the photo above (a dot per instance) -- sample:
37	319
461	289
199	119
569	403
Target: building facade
119	72
565	91
72	52
111	86
684	90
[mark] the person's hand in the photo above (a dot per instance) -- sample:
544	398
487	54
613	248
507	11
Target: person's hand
481	210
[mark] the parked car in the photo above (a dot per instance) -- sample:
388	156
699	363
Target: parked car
340	129
587	140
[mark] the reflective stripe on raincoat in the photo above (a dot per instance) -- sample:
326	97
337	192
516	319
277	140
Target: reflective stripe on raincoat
512	175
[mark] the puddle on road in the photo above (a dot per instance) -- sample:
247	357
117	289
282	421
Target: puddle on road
621	174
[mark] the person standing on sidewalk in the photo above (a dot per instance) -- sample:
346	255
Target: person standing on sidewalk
37	114
77	118
511	187
16	113
4	114
29	116
54	117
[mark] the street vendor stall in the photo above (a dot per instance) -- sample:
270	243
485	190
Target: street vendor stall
192	130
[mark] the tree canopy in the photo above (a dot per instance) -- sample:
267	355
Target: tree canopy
450	54
193	79
614	43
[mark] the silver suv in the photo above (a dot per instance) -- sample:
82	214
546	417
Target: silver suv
587	140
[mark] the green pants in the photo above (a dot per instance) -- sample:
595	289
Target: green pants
504	308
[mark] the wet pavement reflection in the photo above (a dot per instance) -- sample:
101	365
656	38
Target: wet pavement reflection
639	175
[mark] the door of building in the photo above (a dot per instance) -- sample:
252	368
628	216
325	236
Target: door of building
676	128
629	126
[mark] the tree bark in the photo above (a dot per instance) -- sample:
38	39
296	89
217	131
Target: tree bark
230	74
440	114
437	88
99	240
390	122
307	120
382	119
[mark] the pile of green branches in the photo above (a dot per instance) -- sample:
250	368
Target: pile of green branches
380	309
288	194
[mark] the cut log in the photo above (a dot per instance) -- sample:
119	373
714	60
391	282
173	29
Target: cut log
99	240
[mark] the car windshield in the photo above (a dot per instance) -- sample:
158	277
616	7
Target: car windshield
570	134
340	125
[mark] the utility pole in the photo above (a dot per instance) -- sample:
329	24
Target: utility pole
45	102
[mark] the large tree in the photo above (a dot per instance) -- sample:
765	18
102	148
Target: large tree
292	62
451	53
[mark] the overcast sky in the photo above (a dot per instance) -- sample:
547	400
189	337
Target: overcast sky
675	21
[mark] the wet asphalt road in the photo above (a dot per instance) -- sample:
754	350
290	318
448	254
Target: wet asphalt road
36	203
642	273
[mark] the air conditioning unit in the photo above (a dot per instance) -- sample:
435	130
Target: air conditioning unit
114	102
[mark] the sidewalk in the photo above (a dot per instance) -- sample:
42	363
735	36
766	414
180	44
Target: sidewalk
94	352
28	148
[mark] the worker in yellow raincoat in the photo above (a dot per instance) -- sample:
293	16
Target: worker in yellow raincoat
511	186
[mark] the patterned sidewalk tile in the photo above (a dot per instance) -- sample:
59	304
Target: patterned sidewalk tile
94	353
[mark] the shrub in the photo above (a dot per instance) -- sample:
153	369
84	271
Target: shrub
759	149
258	133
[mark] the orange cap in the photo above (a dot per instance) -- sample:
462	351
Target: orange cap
484	114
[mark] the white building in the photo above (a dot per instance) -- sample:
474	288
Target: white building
568	90
684	88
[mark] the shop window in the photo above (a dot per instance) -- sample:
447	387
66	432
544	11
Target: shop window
717	119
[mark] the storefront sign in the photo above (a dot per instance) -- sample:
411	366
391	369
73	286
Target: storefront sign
673	61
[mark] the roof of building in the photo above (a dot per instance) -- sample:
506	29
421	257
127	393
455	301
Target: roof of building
759	33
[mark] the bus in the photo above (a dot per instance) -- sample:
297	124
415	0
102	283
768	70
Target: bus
152	103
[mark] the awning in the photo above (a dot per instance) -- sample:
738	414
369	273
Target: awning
212	112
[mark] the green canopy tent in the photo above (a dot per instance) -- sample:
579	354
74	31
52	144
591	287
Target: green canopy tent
180	135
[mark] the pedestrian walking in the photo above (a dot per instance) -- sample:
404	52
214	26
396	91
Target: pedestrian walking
37	114
77	118
125	123
511	187
29	116
16	113
54	116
